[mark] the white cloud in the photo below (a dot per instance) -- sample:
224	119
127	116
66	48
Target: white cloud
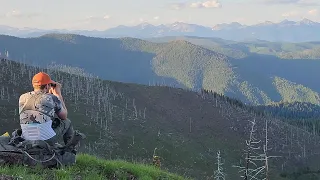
178	6
94	20
18	14
144	20
241	19
206	4
313	12
300	14
281	1
309	2
13	13
97	18
290	14
106	17
295	2
199	4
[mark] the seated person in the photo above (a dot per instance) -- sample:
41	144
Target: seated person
38	109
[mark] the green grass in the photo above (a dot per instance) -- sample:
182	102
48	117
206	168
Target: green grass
89	167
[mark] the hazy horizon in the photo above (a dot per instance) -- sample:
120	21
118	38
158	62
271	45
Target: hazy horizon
105	14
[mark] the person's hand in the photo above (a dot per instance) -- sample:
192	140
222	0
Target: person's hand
56	90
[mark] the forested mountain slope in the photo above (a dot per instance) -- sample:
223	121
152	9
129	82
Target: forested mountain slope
185	128
255	78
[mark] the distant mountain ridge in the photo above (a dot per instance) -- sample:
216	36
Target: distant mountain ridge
290	31
247	71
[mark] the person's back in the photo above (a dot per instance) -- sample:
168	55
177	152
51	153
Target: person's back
37	110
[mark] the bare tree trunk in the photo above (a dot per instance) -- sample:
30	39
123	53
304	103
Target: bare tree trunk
266	152
219	174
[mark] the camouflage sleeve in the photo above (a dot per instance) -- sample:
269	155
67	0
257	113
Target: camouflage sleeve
57	104
21	102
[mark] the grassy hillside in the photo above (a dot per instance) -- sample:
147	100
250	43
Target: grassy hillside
185	128
90	168
232	68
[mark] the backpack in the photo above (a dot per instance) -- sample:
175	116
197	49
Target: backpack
17	151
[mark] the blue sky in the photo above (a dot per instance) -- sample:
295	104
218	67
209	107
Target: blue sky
103	14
